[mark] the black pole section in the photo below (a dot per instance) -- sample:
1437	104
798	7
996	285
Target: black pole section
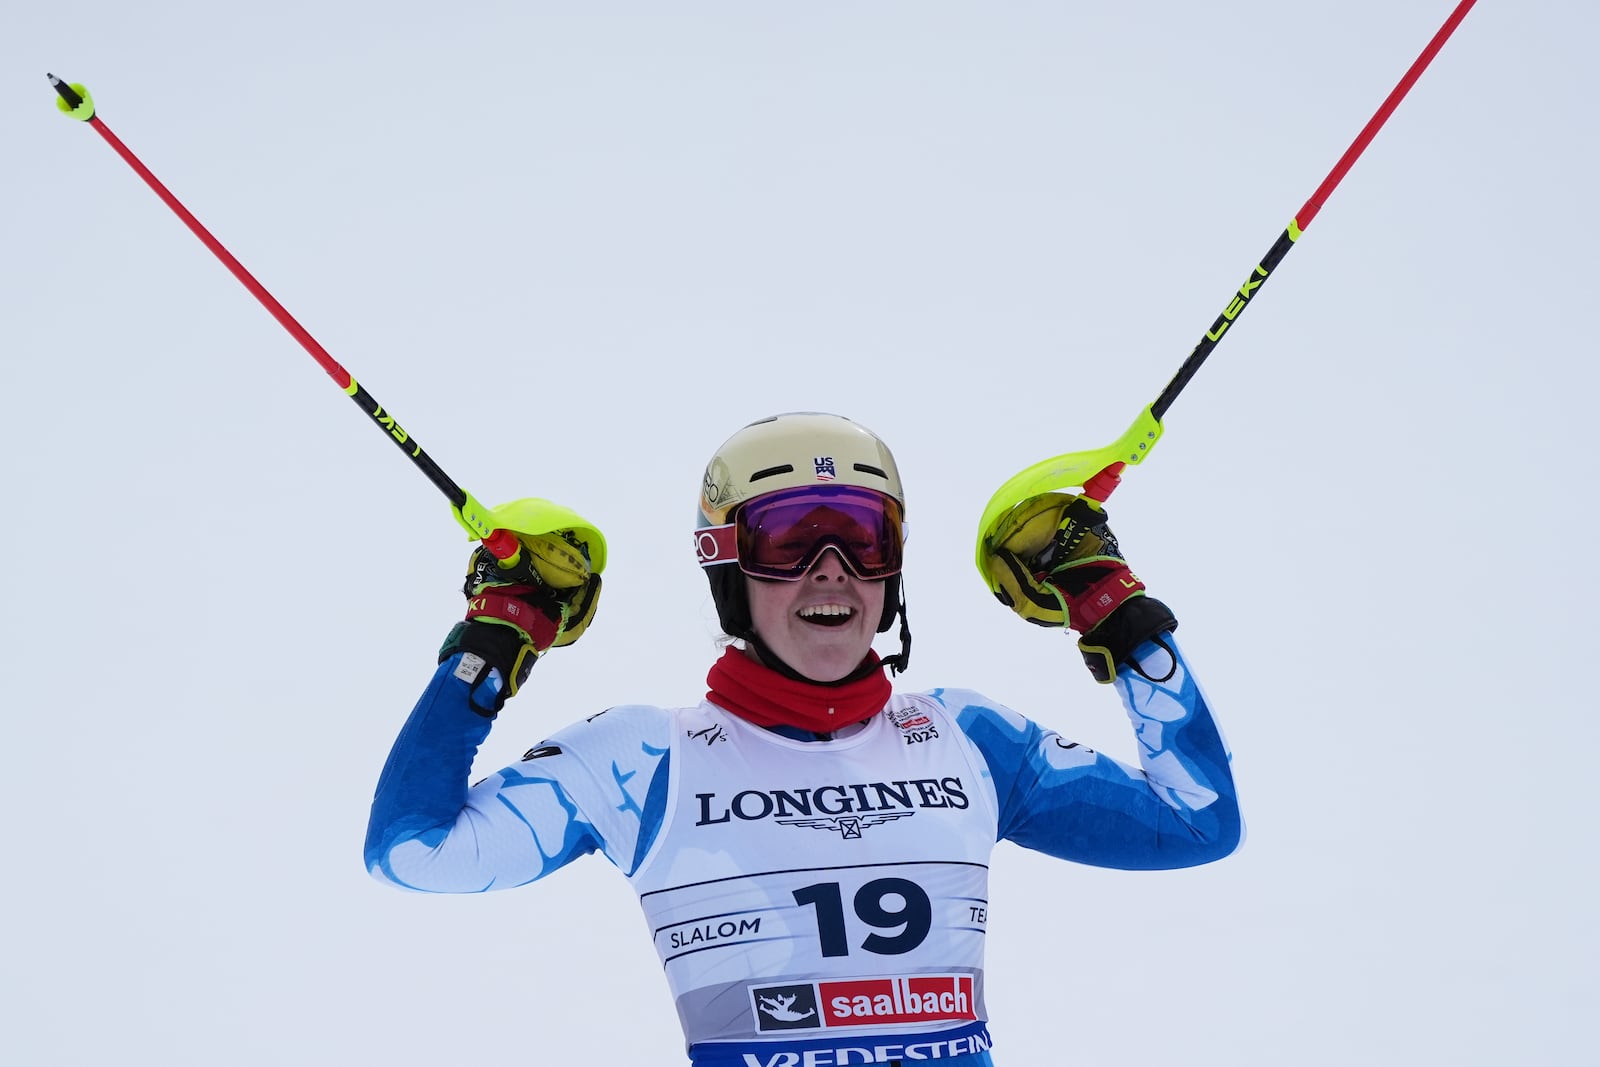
1235	308
1308	212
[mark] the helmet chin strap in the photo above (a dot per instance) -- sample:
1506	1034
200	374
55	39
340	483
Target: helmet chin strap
898	662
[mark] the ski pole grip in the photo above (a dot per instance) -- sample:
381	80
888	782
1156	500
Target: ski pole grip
1105	483
504	545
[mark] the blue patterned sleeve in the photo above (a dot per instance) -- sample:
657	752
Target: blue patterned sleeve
598	785
1177	809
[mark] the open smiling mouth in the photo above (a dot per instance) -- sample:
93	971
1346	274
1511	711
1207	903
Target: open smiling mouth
827	615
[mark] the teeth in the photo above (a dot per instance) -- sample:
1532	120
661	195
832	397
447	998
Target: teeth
825	609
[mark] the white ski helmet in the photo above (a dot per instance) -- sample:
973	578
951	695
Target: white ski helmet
787	451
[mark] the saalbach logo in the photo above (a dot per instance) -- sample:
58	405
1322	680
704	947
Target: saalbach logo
925	998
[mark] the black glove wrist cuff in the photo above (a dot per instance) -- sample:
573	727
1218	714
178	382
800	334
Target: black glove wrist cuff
1113	642
497	646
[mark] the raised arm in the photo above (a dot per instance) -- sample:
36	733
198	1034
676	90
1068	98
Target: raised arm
586	789
1055	562
427	830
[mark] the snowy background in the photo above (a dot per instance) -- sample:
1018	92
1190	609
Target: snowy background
573	248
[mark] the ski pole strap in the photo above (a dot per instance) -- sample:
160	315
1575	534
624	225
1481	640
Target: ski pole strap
1095	604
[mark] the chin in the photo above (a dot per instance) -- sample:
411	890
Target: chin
828	674
831	664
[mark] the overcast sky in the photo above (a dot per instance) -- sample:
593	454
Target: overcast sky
573	248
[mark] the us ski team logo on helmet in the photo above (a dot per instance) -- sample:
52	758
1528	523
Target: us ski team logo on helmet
826	472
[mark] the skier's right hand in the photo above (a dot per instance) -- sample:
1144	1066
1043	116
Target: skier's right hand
516	615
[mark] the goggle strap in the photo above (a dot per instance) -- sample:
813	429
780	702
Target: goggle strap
715	545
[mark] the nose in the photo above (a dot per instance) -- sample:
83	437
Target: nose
829	567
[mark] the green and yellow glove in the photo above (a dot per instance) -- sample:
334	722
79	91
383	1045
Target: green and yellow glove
516	614
1053	560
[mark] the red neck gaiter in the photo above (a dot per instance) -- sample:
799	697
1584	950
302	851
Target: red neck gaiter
761	695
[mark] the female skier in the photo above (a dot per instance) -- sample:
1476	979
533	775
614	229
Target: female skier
809	847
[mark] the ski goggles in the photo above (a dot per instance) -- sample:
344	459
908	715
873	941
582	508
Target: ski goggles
781	535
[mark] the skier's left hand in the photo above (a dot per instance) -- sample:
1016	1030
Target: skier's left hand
1055	562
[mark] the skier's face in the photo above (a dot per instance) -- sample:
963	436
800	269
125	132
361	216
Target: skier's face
821	625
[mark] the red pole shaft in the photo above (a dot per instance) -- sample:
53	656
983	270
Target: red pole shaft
1304	216
259	291
505	544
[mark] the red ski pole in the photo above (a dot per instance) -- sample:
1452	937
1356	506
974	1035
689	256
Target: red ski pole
476	519
1302	218
1098	471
